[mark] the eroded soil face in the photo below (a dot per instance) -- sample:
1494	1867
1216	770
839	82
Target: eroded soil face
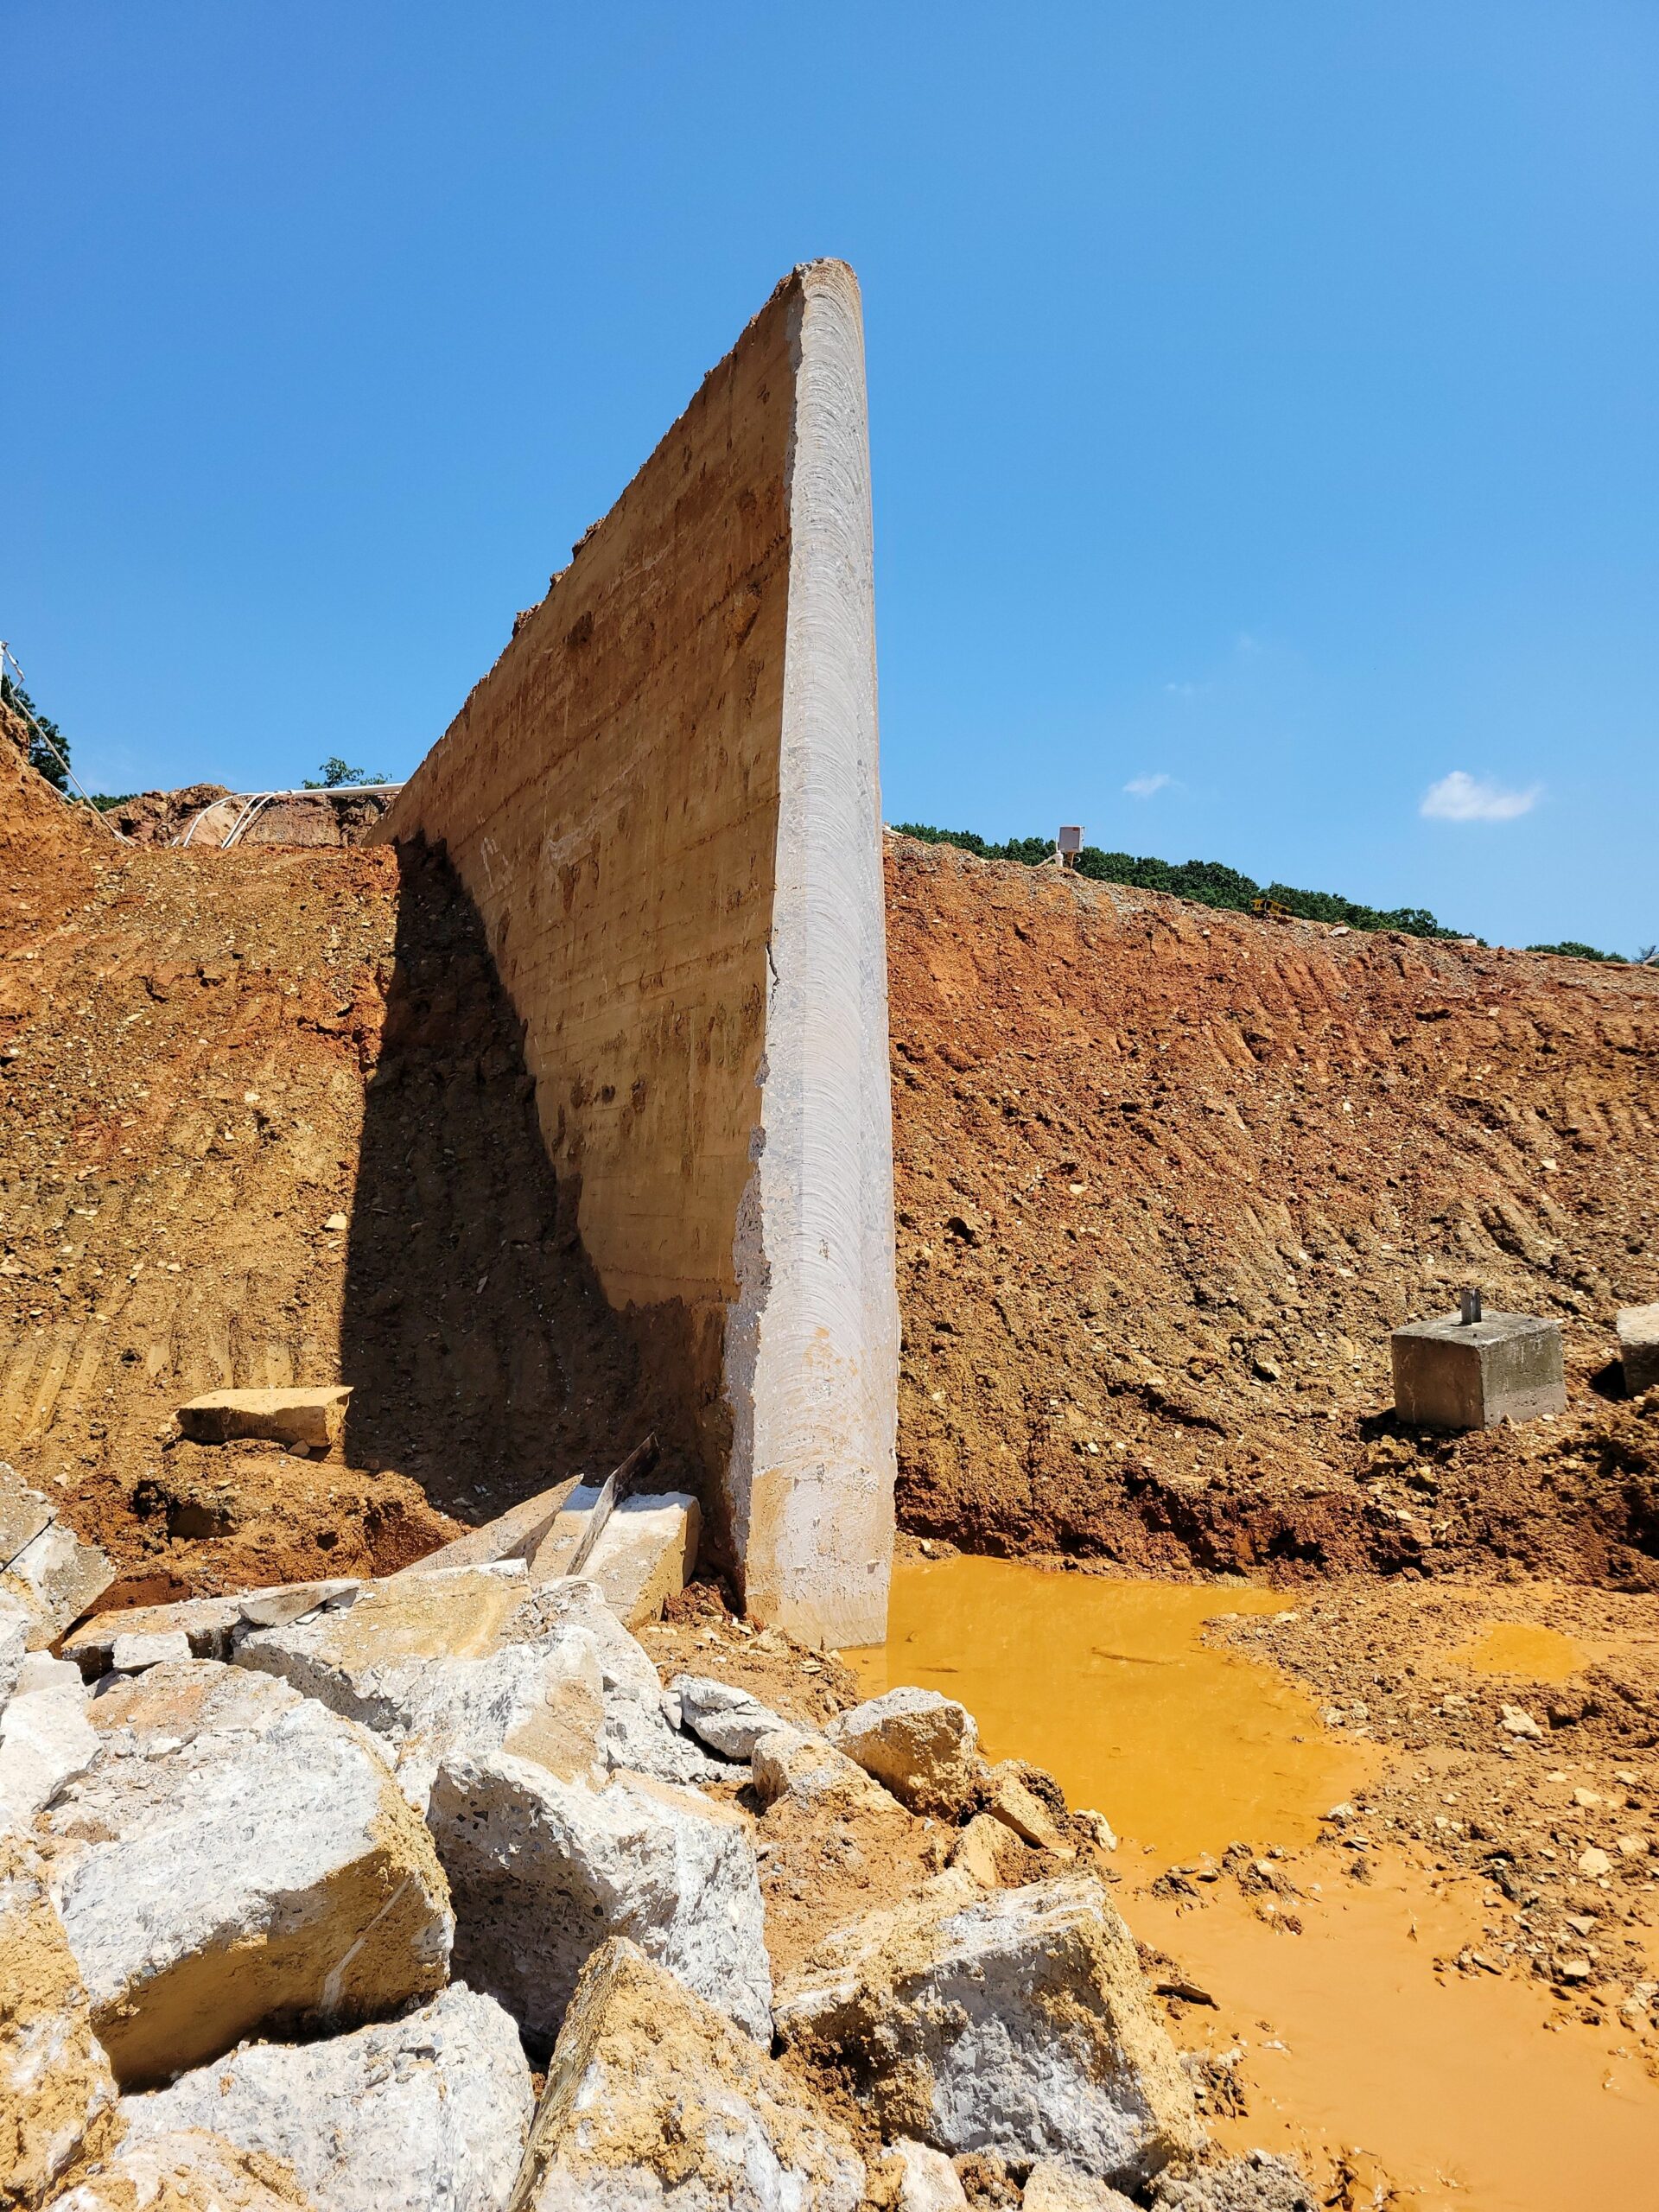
264	1119
1167	1179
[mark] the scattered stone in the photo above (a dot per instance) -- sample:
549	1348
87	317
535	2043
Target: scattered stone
131	1655
930	2181
314	1418
731	1721
1099	1829
1593	1861
1632	1847
1007	1800
542	1871
188	2171
810	1769
516	1534
235	1858
645	1554
45	1738
923	1747
54	1577
653	2097
1519	1722
57	2093
1018	2024
428	2113
1052	2187
1638	1348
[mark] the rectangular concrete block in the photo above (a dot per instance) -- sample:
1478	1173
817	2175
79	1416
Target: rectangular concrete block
645	1555
1638	1348
313	1417
663	801
1450	1374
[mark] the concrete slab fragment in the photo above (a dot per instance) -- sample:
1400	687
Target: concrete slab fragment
644	1555
1638	1348
1451	1374
662	799
315	1417
56	1576
516	1534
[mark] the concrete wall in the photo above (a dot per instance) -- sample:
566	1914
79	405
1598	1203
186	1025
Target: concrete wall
663	800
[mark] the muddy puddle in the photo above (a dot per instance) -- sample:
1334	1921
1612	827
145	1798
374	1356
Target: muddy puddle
1110	1686
1355	2035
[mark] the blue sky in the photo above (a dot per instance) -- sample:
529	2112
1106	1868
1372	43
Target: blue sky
1263	397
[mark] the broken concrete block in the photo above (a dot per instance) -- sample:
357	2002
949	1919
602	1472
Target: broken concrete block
1257	2183
428	2113
729	1720
315	1417
1008	1799
15	1622
57	2093
543	1870
653	2098
235	1858
810	1770
1050	2187
516	1534
1019	2022
1638	1348
991	1850
23	1514
56	1577
573	1533
188	2171
45	1738
208	1623
644	1555
1451	1374
131	1655
923	1747
931	2183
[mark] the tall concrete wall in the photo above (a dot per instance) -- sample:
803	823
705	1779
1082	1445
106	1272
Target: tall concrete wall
664	799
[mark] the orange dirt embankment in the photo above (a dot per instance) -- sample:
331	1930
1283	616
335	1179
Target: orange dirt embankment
1167	1177
263	1118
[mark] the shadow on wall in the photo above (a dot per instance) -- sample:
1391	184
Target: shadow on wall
485	1360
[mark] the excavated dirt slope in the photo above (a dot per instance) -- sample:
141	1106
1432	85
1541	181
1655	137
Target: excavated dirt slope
187	1125
1167	1177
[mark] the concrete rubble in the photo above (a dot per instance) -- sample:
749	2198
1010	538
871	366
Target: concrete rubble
45	1568
929	2182
312	1419
188	2171
1638	1348
652	2094
730	1721
644	1555
236	1857
808	1767
425	2113
923	1747
57	2092
1050	2187
207	1624
1019	2022
46	1738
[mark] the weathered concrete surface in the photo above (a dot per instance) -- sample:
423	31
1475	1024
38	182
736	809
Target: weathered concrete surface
663	800
44	1566
924	1747
188	2171
313	1417
653	2098
428	2113
730	1721
45	1738
1017	2022
237	1857
1450	1374
644	1555
57	2093
208	1624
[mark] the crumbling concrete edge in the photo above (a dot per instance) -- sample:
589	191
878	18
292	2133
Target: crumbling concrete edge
812	1337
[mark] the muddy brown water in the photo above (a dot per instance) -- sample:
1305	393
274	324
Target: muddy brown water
1352	2040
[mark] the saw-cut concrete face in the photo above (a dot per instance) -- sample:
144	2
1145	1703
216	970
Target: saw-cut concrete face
662	799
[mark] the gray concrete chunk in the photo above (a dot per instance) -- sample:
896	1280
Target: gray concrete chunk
1638	1347
1450	1374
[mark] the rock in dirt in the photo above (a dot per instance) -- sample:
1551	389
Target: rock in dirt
428	2113
923	1747
645	1554
810	1769
930	2181
653	2096
57	2093
45	1738
1259	2182
1050	2187
730	1721
189	2171
1018	2024
234	1857
1008	1799
313	1417
542	1871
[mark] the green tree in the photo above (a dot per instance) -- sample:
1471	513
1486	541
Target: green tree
335	774
40	754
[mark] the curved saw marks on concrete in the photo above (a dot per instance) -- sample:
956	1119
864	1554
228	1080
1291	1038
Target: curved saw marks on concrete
663	800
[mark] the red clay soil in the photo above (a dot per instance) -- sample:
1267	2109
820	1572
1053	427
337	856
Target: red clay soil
1167	1177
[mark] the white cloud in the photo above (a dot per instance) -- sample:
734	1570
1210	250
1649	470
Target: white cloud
1147	786
1461	798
